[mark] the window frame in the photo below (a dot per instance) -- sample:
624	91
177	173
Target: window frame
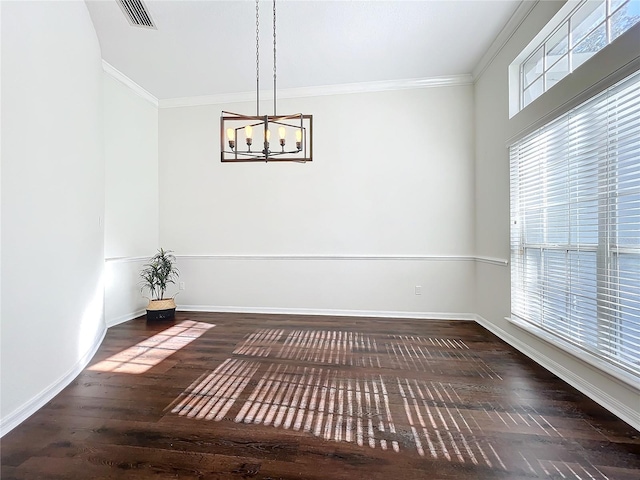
608	248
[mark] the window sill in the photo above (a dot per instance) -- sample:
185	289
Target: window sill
628	378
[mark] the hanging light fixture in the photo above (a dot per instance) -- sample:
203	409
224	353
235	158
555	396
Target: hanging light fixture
248	138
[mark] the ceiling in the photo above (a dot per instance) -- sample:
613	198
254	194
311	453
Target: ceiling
208	47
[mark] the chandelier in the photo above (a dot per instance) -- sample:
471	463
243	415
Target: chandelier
250	138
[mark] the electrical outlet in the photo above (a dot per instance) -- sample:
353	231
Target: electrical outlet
181	285
418	290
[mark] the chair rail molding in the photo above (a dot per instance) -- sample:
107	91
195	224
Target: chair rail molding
347	257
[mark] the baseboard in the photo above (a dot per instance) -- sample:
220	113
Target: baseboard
329	312
124	318
629	415
624	412
18	416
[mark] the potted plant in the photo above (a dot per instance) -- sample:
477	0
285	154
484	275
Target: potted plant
156	275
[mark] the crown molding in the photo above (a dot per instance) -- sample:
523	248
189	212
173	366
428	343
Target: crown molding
341	89
126	81
522	12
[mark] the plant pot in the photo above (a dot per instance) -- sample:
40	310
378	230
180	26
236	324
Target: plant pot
161	310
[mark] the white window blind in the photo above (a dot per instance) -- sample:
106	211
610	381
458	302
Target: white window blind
575	227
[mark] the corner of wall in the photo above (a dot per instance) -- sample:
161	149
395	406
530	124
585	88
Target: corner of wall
512	25
40	219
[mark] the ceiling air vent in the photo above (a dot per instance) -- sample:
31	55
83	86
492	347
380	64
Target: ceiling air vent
137	13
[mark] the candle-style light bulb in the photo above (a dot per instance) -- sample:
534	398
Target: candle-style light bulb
248	133
231	136
282	132
267	136
299	139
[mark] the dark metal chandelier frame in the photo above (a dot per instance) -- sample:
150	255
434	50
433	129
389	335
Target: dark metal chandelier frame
239	128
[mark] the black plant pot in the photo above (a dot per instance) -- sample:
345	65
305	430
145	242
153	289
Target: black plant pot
156	315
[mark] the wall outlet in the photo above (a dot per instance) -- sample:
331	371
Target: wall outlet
418	290
181	285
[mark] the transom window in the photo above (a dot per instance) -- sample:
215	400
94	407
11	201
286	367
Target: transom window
588	27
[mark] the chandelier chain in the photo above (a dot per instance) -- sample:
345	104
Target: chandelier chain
257	58
274	57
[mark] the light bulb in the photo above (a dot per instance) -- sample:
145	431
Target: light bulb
267	135
231	136
299	139
248	132
282	132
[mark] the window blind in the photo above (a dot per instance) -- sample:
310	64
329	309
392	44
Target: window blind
575	227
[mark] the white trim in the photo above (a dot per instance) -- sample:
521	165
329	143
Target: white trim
125	318
126	81
519	16
432	258
626	413
593	361
492	261
30	407
126	259
328	312
428	258
342	89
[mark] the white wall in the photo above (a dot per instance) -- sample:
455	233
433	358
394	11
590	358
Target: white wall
493	130
0	192
52	200
393	174
131	196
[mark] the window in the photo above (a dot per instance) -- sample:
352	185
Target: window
576	35
575	227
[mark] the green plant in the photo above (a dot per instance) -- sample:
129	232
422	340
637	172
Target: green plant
158	273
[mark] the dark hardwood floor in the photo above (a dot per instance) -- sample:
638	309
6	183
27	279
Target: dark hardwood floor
280	397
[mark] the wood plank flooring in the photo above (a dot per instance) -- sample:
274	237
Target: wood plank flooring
217	396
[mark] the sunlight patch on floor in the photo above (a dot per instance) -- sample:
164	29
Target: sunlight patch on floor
436	419
153	350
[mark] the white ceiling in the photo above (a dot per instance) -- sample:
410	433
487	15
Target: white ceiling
207	47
